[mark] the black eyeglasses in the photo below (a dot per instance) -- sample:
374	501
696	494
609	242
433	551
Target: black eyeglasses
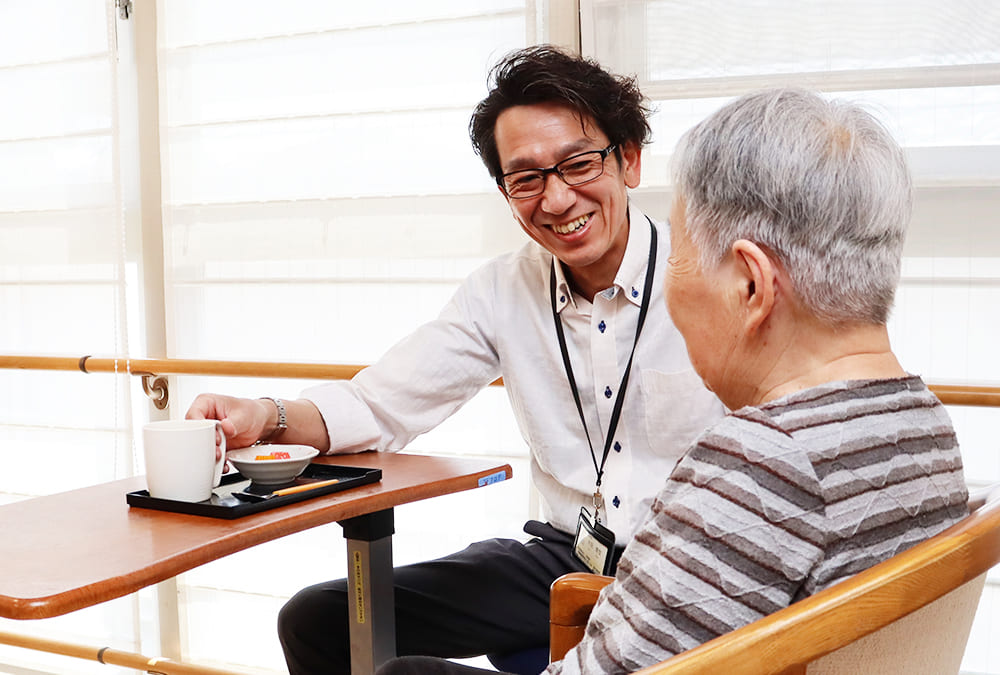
576	170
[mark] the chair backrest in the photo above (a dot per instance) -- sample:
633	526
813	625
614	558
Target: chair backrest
930	640
910	614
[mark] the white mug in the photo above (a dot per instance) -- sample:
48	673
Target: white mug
180	459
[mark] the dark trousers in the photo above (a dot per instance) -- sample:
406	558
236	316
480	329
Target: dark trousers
491	598
427	665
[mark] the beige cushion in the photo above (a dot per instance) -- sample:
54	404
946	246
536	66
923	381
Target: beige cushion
929	641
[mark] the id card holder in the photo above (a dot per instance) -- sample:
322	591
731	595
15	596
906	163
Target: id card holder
594	545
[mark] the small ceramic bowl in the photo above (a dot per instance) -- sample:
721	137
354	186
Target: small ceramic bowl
268	464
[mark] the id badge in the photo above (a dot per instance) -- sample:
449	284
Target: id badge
594	544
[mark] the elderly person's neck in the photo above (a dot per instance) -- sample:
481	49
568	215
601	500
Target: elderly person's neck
797	351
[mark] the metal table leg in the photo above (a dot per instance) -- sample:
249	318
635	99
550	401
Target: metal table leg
369	575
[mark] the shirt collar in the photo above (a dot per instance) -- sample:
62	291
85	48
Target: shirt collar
563	294
631	276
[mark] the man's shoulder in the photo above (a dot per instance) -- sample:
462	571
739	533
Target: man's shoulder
526	265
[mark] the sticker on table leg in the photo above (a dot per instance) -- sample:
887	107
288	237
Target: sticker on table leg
359	587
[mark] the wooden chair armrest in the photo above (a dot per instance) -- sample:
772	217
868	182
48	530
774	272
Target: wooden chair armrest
571	599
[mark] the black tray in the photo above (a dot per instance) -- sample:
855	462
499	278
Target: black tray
225	504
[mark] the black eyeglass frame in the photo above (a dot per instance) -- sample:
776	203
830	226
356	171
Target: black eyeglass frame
555	169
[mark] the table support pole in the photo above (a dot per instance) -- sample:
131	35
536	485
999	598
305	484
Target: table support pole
369	556
168	612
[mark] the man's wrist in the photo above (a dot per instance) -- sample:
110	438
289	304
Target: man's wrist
281	423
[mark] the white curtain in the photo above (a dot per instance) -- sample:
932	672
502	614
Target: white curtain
64	267
62	246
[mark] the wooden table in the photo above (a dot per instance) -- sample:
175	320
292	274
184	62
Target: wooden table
75	549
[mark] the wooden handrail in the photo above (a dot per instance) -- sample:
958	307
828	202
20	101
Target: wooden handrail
113	657
956	394
94	364
950	394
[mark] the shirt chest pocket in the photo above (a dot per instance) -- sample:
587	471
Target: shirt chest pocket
678	409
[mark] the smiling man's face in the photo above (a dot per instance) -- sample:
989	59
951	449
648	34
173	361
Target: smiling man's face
585	226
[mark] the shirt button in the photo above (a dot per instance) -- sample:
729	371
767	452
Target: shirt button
617	502
562	298
618	446
635	293
602	326
607	392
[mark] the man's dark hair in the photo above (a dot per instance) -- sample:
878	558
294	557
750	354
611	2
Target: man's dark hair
546	74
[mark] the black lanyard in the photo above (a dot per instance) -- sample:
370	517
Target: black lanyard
619	399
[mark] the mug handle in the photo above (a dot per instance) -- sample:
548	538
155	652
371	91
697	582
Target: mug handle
217	475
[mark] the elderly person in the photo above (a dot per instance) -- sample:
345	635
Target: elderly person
786	237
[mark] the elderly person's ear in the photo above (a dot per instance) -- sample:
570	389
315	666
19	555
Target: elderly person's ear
758	279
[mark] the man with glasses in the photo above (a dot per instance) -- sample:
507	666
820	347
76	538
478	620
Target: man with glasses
575	323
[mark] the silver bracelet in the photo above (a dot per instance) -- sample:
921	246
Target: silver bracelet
282	419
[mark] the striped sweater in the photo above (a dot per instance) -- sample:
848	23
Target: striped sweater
770	505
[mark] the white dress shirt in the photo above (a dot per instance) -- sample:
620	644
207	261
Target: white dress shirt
500	322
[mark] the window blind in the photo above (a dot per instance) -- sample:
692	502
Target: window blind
61	246
63	278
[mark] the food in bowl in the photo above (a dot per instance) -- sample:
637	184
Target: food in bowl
273	455
272	464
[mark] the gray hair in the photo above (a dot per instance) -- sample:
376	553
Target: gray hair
821	184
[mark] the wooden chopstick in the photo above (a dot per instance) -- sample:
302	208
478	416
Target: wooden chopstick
303	488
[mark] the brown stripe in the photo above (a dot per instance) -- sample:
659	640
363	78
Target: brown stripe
756	563
685	615
786	483
861	484
869	451
745	501
666	640
866	556
844	392
840	416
